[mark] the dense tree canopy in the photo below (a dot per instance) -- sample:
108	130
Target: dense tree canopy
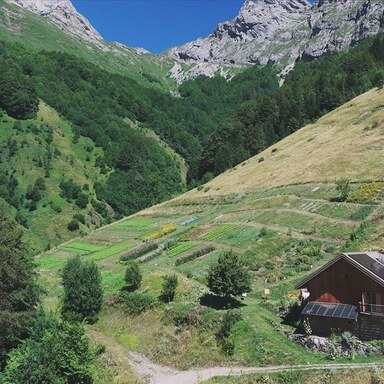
19	292
214	125
55	353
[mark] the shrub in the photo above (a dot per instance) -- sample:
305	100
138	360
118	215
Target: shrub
55	207
82	201
343	187
73	225
169	288
138	302
79	217
138	251
69	190
194	255
230	318
133	276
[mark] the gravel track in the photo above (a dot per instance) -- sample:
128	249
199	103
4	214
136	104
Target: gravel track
158	374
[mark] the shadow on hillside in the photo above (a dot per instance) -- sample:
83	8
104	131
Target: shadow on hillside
129	288
220	302
292	315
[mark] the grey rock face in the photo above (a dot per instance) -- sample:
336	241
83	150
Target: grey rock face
265	31
270	31
63	13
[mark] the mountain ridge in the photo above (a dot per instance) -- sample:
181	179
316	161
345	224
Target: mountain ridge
264	32
277	32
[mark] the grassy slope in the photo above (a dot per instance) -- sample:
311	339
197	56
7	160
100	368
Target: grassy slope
69	160
347	142
280	215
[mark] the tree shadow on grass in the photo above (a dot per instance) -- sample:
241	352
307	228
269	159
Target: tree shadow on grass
129	288
220	302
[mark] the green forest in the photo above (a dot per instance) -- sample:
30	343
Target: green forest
214	124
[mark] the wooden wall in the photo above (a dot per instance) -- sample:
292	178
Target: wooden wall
342	283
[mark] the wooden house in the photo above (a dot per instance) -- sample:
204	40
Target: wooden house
347	294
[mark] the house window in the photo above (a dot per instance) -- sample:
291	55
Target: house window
371	302
371	298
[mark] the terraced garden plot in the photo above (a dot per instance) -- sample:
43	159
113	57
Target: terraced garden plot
49	262
196	233
315	191
270	202
217	232
272	244
137	223
164	230
345	211
198	268
110	251
301	222
83	246
241	237
181	248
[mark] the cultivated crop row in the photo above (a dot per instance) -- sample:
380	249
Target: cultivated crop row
181	248
217	232
138	251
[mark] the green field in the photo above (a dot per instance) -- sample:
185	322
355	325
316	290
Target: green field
217	232
180	248
81	246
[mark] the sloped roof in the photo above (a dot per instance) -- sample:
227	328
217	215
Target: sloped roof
370	263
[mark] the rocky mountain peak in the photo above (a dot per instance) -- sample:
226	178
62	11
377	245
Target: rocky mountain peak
283	31
64	14
261	19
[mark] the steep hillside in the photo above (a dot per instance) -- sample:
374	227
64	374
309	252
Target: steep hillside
280	220
347	142
37	156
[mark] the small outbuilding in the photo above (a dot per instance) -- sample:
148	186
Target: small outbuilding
346	294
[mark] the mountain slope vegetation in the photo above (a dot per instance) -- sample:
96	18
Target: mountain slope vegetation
284	216
214	125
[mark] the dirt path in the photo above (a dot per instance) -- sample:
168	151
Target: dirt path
151	373
157	374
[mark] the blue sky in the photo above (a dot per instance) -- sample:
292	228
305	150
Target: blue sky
156	24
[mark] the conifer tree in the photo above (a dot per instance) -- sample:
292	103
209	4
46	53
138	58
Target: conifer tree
19	292
83	294
133	276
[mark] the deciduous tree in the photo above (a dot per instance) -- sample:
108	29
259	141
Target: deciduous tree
229	276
